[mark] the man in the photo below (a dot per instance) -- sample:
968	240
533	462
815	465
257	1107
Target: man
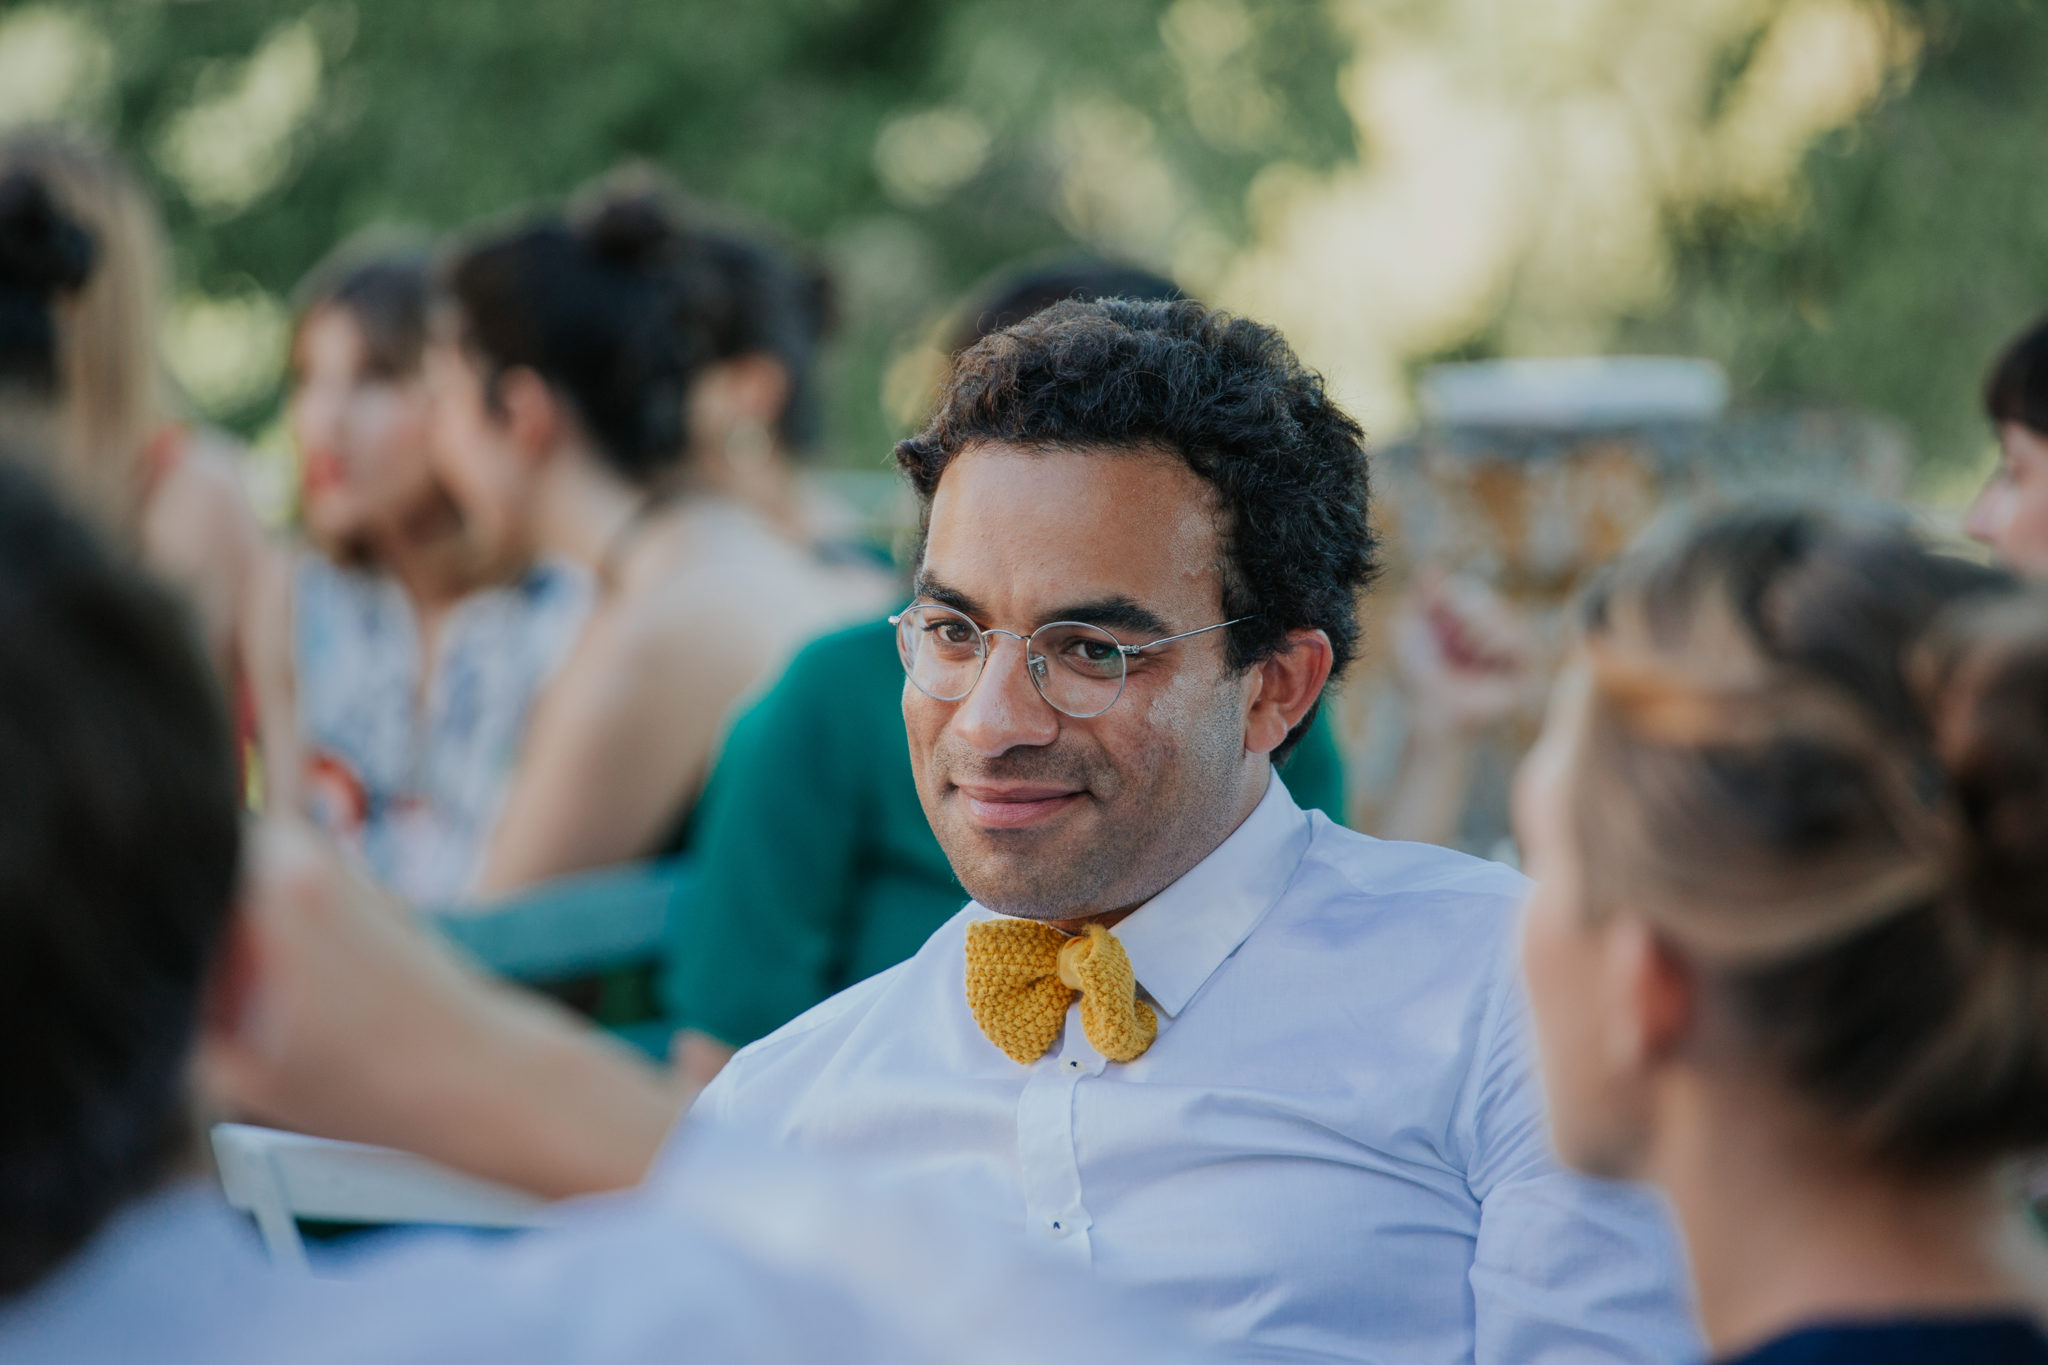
1267	1075
801	889
120	949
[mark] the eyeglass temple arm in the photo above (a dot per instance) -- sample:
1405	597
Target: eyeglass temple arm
1129	650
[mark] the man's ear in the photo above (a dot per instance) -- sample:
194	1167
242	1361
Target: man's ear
1286	685
533	415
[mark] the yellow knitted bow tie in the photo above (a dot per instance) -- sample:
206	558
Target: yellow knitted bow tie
1022	975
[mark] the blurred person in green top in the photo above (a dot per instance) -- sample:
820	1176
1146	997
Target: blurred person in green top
804	888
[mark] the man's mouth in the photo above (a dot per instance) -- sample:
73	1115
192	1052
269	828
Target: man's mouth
1015	805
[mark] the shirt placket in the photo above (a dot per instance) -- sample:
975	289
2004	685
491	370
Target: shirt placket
1054	1210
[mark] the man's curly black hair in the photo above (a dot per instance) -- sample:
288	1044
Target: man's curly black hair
1225	394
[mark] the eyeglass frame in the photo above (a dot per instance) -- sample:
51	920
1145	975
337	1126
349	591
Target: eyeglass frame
1125	653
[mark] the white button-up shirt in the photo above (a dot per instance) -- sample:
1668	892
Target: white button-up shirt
1334	1150
728	1253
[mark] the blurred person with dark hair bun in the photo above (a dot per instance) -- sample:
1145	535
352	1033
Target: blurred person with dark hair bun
754	412
571	360
2011	513
84	392
410	657
615	389
1788	946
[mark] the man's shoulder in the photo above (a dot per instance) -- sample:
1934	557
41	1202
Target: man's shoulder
836	1011
1399	921
1343	865
828	1022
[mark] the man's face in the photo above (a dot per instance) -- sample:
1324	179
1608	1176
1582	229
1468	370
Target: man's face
1043	815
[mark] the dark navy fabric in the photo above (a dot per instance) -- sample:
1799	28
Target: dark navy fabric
1957	1341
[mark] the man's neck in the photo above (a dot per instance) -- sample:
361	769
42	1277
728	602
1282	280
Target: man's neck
1257	780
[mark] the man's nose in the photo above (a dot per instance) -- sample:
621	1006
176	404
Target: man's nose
1004	710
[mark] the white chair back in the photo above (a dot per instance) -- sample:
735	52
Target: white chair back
279	1178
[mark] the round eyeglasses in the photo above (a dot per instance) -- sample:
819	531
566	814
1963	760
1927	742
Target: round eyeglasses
1078	668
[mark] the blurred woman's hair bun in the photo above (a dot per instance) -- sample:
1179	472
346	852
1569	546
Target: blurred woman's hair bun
1816	759
1983	681
42	251
44	256
632	229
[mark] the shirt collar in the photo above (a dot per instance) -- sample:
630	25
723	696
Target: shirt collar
1178	939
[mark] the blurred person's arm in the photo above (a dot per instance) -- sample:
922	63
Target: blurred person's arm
621	740
1465	661
352	1022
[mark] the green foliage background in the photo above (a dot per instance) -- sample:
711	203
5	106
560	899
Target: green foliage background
1914	249
435	112
1918	248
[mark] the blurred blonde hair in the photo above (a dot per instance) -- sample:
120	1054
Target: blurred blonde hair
1816	760
112	395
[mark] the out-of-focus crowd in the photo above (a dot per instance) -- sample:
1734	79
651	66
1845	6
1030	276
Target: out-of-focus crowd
566	621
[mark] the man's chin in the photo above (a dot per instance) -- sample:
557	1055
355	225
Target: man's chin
1034	892
1035	872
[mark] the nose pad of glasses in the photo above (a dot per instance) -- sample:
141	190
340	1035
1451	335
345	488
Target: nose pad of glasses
1038	666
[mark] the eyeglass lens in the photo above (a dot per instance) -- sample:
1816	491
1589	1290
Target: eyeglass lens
1078	669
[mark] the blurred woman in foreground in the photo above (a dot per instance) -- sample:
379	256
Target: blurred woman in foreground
608	390
1788	950
88	394
410	658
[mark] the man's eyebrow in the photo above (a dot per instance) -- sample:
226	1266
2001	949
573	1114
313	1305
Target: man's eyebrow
1112	613
928	587
1115	613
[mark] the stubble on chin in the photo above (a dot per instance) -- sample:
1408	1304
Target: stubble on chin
1041	878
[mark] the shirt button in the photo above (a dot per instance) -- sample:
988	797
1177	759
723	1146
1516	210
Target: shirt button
1074	1064
1056	1227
